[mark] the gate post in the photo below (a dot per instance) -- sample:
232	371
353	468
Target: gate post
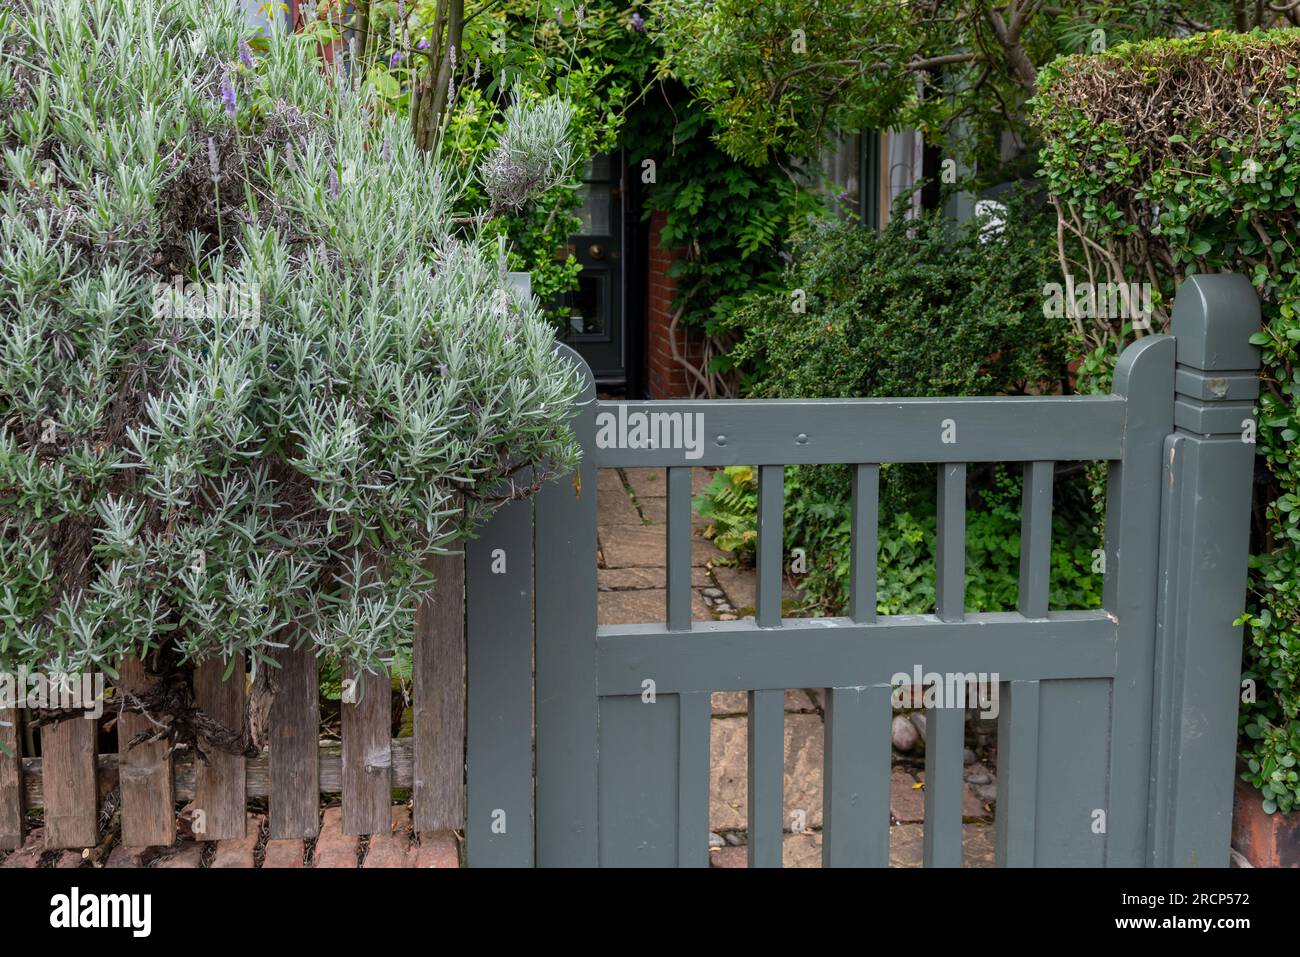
1205	539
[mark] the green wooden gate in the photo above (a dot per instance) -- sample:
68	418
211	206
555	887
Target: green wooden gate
1117	727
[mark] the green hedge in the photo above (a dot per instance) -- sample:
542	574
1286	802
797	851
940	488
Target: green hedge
1168	158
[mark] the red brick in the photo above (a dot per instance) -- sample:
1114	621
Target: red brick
29	854
438	849
729	857
238	852
185	856
911	809
906	801
394	848
123	857
333	847
286	852
1266	840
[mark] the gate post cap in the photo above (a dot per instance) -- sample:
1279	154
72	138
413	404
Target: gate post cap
1214	318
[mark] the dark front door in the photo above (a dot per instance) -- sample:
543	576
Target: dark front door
594	325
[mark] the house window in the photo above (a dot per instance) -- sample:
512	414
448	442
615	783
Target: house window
851	177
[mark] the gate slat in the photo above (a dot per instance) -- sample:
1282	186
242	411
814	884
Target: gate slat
367	754
220	783
11	780
679	549
568	712
1017	773
1072	720
1145	377
295	745
865	543
694	713
499	610
950	543
771	506
944	736
855	801
145	772
766	746
438	700
1036	539
68	772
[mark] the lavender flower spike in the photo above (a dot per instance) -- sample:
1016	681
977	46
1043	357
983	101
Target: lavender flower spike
395	59
228	94
638	23
245	54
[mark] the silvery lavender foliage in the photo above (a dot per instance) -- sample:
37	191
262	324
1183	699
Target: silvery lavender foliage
179	474
532	155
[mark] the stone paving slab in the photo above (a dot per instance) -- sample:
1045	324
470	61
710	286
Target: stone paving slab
641	606
644	546
729	762
907	845
614	508
648	483
609	480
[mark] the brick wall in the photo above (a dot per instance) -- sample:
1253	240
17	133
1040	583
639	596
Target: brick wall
664	378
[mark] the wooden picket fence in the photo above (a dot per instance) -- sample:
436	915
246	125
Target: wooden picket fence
69	780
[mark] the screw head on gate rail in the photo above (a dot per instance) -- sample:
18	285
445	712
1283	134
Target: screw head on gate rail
801	438
721	440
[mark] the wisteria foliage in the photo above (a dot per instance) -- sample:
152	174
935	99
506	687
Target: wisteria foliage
220	481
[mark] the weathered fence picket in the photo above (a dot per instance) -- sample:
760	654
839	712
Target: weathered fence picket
438	700
144	771
295	735
12	821
68	771
221	780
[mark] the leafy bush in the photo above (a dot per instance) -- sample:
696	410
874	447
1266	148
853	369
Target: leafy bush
176	475
920	308
817	519
1177	157
819	523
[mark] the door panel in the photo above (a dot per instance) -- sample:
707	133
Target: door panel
595	310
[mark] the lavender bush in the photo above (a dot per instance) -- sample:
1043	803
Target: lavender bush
256	367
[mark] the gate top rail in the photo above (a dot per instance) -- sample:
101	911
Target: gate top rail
846	431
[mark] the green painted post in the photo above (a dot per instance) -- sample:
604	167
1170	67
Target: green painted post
1205	539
